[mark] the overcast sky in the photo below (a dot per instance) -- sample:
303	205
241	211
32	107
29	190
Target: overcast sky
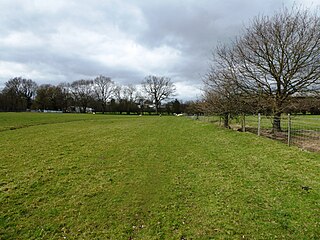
53	41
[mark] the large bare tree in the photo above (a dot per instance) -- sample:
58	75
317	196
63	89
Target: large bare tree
82	91
158	89
20	93
277	57
103	88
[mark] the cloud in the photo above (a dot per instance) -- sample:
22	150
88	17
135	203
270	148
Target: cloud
57	40
188	91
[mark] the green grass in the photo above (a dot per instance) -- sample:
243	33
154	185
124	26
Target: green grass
310	122
12	121
130	177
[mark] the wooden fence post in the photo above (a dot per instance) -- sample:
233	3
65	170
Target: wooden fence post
289	129
243	123
259	123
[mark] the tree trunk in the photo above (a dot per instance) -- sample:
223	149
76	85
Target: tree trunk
157	103
276	125
157	109
104	107
226	120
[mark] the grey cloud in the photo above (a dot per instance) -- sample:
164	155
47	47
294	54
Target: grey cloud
191	28
199	22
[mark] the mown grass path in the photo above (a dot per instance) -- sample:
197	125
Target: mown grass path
122	177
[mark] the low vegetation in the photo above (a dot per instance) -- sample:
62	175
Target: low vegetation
150	177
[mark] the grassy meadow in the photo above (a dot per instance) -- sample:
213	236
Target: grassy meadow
69	176
310	122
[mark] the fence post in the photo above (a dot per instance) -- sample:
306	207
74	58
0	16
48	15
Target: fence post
289	129
243	123
259	123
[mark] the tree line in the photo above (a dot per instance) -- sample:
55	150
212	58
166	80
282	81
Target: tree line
273	68
100	94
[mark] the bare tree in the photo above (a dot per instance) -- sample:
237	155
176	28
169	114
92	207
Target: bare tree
28	90
103	88
50	97
130	97
20	93
158	89
222	95
126	98
66	96
130	93
82	92
118	92
277	57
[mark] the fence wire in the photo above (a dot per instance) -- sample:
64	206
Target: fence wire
300	130
305	132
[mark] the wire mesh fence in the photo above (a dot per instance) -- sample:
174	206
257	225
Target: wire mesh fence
305	132
300	130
